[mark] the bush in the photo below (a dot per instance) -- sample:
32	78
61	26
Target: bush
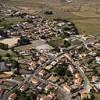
8	55
67	43
3	46
23	41
61	70
0	57
48	12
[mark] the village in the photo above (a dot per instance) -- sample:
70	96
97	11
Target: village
47	59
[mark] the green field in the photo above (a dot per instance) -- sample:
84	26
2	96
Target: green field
10	21
87	26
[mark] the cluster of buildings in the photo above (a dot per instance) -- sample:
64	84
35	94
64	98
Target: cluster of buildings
49	74
36	27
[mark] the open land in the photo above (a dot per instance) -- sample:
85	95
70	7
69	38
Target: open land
10	41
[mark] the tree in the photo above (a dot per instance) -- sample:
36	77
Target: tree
95	72
0	57
3	34
7	26
66	43
3	46
65	77
29	96
29	20
68	73
8	55
65	29
15	65
92	97
48	12
60	70
23	40
23	97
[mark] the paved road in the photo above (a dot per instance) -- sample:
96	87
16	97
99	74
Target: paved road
85	44
83	41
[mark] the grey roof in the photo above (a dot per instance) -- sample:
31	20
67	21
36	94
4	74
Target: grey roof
3	67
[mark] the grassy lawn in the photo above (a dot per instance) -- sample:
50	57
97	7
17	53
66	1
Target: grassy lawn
10	20
98	69
56	43
97	96
3	52
88	26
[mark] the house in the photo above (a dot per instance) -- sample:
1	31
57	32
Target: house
13	96
1	37
94	78
23	88
4	67
82	55
77	75
87	69
98	59
91	40
42	73
5	75
71	68
42	59
96	82
85	95
97	85
24	50
44	47
78	81
32	65
1	91
48	87
53	78
41	86
67	88
51	96
36	44
34	81
97	45
9	73
54	63
49	67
